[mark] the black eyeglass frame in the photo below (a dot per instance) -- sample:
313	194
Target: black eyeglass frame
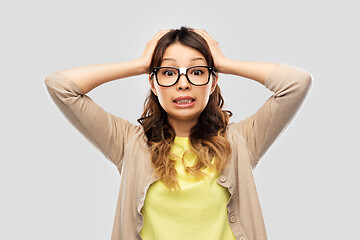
181	71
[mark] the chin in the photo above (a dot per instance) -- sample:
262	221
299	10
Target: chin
184	117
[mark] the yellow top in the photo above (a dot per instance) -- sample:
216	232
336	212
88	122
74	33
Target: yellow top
197	211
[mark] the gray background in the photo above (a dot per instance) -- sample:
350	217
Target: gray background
55	185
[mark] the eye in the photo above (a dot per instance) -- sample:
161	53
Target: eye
168	72
197	72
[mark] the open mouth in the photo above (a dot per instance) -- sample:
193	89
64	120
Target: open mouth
184	101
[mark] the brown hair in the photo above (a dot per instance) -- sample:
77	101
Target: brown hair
207	144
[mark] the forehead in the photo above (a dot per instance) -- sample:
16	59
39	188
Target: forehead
181	54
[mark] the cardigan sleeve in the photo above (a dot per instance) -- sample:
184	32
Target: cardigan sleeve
105	131
290	86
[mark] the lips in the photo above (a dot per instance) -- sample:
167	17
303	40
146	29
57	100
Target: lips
184	98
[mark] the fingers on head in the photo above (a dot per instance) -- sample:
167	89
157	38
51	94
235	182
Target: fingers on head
162	32
200	31
203	33
159	33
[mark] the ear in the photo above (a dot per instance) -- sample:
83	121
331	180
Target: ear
152	86
214	82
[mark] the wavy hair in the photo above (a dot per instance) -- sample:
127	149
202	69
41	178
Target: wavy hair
207	137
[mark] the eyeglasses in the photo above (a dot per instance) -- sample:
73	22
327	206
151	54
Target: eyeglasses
169	76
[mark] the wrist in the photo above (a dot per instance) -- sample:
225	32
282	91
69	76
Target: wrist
141	66
222	65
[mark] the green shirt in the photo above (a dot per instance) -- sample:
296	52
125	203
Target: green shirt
197	211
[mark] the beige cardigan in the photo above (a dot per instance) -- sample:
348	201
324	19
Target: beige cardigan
123	143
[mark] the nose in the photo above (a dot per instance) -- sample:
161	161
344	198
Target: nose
183	83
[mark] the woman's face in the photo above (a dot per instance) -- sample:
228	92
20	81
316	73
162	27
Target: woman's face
180	56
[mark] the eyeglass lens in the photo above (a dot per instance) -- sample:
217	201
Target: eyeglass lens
197	75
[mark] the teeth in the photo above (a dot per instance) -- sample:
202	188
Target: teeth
184	101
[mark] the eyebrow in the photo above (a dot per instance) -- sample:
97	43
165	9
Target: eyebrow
193	59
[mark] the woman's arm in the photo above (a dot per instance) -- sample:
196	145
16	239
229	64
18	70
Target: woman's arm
92	76
108	133
68	90
290	86
257	71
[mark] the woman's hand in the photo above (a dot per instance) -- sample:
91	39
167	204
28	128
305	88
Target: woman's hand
145	58
257	71
218	56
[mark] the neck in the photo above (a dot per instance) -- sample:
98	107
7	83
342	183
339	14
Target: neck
182	127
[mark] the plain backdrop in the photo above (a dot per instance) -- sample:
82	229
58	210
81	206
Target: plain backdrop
55	185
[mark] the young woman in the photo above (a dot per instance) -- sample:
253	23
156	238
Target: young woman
186	172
